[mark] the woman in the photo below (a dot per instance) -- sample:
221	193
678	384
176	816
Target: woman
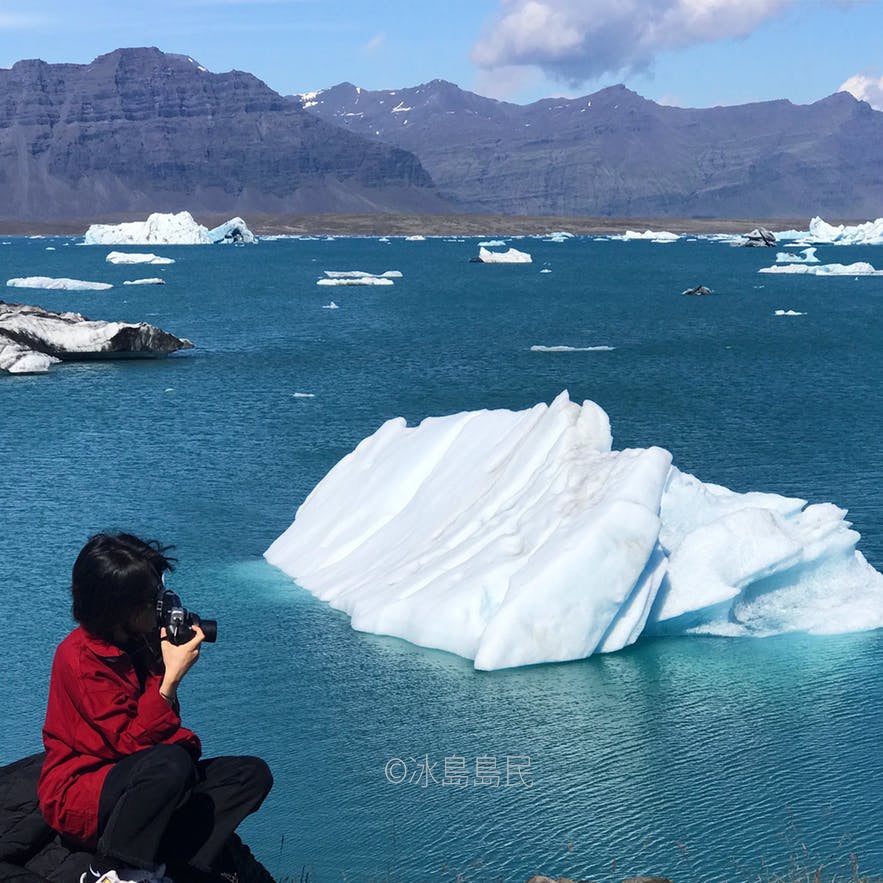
122	776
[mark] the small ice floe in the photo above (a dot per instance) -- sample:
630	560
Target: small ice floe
356	280
545	270
808	257
303	395
492	243
50	248
415	238
559	236
50	284
384	239
512	256
361	274
760	237
169	389
537	348
122	257
860	268
330	306
659	237
788	313
153	280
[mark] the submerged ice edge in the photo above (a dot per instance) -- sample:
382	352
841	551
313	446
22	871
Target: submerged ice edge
520	537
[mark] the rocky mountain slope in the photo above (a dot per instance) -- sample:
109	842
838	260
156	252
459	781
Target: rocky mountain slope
615	153
139	130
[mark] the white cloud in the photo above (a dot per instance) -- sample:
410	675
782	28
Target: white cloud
374	44
20	21
865	88
578	40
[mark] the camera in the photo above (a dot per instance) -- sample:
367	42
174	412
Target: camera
177	619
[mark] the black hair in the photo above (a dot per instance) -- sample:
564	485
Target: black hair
114	576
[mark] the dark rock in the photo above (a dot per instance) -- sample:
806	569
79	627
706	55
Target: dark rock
139	130
31	852
32	338
614	153
698	290
540	879
647	880
760	237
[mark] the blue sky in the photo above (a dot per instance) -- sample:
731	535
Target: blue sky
687	52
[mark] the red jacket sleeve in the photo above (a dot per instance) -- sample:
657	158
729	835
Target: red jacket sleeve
128	722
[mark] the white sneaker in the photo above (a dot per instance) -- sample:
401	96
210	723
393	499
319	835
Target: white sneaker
129	875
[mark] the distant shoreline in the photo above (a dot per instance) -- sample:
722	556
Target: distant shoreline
430	225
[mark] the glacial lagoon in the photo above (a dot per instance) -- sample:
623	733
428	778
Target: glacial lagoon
703	758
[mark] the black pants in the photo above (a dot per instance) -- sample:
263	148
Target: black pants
159	805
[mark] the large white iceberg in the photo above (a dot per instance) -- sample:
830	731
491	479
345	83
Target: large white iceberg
870	233
168	229
519	537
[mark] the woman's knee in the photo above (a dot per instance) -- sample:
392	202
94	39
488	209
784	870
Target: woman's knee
257	771
171	764
264	775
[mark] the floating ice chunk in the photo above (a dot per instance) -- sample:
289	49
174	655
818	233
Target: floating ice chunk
303	395
546	270
167	229
559	236
809	257
231	232
33	338
330	306
17	358
519	537
760	564
415	238
492	243
51	284
652	235
356	280
153	280
512	256
50	248
870	233
122	257
860	268
361	274
538	348
788	313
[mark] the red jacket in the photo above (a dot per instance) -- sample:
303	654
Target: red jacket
97	714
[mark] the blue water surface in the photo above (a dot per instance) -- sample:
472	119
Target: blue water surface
706	759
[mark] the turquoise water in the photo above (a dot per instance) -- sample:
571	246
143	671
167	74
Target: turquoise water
707	759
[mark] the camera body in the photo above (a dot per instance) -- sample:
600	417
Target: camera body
178	620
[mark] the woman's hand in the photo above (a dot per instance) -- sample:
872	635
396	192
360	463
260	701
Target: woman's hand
178	660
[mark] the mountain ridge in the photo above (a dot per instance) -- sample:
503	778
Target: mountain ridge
616	153
139	130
